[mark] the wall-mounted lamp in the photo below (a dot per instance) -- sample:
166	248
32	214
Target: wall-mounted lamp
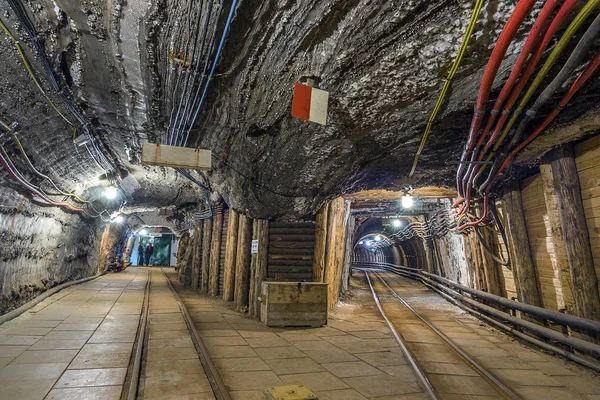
143	232
110	192
407	201
118	219
378	238
396	223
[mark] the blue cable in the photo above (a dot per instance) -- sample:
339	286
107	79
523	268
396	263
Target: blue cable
212	70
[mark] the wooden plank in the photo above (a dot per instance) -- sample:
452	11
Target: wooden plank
176	157
215	251
242	272
522	262
291	304
230	256
206	241
320	244
572	220
258	264
197	256
223	251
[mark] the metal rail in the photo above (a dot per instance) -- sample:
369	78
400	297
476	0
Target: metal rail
483	311
141	337
471	362
214	378
420	374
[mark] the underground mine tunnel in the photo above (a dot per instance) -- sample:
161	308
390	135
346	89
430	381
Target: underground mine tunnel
292	200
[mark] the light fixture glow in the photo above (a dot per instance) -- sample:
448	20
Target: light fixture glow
396	223
143	232
407	201
110	192
118	219
378	238
368	243
361	242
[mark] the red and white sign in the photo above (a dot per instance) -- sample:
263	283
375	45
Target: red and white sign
310	104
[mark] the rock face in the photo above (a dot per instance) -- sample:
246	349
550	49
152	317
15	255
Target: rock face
40	248
131	72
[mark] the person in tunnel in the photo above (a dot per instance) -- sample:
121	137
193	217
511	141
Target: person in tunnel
140	250
148	253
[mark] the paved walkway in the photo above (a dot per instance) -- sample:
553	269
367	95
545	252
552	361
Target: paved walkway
356	357
76	344
172	369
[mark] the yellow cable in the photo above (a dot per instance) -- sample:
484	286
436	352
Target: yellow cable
552	58
30	71
451	73
22	150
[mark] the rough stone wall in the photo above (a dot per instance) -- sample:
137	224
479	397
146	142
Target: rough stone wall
40	247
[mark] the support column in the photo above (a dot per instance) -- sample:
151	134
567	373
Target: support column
520	251
574	227
320	243
197	256
215	252
336	242
492	277
206	239
230	256
560	263
348	249
258	264
242	271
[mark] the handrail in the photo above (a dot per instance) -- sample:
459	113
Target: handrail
510	323
578	323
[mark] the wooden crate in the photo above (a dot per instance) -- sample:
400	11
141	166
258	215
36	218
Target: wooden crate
293	304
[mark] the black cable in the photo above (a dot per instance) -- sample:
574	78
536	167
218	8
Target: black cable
485	246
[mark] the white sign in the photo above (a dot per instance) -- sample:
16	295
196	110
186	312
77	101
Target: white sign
254	249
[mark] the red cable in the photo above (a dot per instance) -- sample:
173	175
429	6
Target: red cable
577	84
34	190
556	23
508	33
532	39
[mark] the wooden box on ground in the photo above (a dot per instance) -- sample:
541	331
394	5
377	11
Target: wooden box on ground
293	304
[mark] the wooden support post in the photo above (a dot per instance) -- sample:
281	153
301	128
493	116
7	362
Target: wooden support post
197	256
574	227
242	271
230	256
492	276
336	242
520	251
206	239
215	251
560	261
349	249
258	264
320	244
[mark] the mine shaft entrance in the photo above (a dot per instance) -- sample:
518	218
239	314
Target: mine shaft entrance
154	246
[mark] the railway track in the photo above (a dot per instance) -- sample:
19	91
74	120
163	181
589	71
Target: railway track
405	322
171	308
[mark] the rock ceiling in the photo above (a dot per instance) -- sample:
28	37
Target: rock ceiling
129	70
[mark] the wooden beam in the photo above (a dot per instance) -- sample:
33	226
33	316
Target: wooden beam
520	251
560	261
242	271
320	244
176	157
197	256
426	192
206	240
575	230
258	264
215	251
230	256
492	275
336	241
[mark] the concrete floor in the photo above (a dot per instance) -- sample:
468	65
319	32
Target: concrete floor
77	345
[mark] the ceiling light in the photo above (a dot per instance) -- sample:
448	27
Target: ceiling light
143	232
110	192
407	201
396	223
378	238
368	243
118	219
